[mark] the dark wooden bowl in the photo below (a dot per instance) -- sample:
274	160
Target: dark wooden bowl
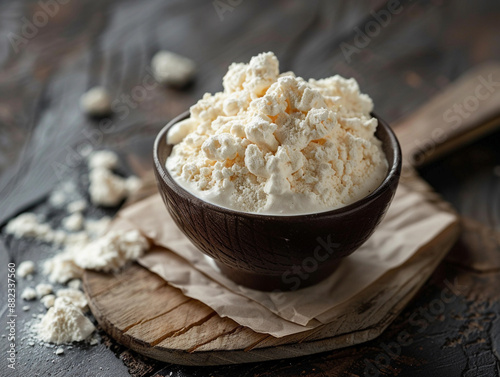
269	252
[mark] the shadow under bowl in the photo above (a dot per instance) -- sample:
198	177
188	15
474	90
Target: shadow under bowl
269	252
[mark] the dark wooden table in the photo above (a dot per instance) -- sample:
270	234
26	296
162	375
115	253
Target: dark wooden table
50	54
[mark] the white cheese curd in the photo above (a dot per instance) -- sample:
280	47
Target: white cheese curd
275	143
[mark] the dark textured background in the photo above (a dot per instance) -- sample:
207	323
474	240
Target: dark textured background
85	43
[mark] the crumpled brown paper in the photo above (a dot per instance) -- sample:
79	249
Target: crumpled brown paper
410	223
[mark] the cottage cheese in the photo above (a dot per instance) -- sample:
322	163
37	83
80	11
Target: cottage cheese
73	222
96	102
112	251
75	284
29	225
106	188
77	206
107	253
64	323
276	144
26	268
48	301
172	69
62	267
103	159
76	297
43	289
28	294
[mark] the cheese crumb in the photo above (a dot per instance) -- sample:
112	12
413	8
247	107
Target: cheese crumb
103	159
96	102
106	188
112	251
96	228
28	294
73	222
62	267
76	297
64	323
132	184
43	289
48	301
94	341
107	253
26	268
77	206
172	69
277	144
75	284
28	225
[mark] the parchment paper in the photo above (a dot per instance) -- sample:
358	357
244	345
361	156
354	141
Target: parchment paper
410	223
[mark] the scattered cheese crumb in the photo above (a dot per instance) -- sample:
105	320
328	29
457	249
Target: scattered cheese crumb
28	225
48	301
133	184
57	199
75	284
26	268
108	253
172	69
43	289
64	323
26	308
73	222
62	267
112	251
28	294
76	297
59	351
77	206
96	228
94	342
106	188
103	159
96	102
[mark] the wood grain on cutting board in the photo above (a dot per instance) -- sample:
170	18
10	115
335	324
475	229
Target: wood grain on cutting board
468	109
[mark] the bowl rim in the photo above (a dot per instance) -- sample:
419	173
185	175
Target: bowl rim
392	177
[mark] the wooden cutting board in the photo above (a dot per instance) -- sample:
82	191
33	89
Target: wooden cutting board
141	311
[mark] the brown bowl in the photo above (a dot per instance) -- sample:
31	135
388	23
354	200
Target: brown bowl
270	252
